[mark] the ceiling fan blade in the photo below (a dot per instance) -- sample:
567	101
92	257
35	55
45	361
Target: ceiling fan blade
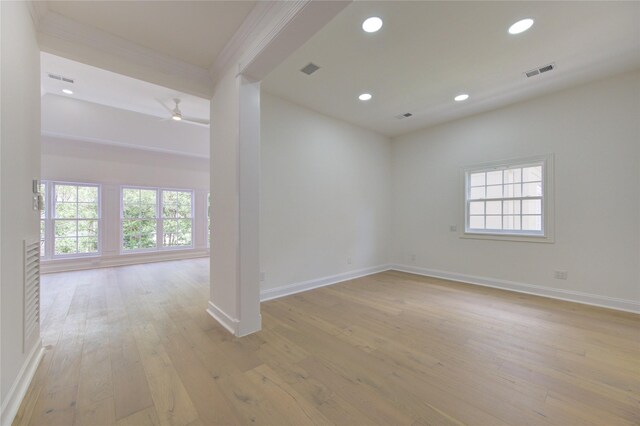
169	110
195	120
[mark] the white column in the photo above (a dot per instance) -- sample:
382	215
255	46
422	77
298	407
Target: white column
235	180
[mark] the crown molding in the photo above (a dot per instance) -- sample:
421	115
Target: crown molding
57	26
265	21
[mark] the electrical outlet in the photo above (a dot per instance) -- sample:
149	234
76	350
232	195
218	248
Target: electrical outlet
453	228
348	260
261	276
560	275
413	257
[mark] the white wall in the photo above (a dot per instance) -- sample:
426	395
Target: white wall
594	132
69	118
325	193
113	166
19	164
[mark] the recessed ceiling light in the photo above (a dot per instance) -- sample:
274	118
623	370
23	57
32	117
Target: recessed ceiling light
67	91
365	96
371	25
521	26
461	97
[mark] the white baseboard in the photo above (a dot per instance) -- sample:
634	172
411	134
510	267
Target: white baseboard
18	390
554	293
231	324
289	289
83	263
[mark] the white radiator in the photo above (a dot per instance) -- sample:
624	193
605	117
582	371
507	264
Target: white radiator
31	320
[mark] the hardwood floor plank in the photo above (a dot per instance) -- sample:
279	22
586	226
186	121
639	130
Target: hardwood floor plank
134	346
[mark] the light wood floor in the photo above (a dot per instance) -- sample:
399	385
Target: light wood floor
134	346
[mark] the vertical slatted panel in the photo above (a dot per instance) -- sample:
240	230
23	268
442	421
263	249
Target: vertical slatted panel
31	320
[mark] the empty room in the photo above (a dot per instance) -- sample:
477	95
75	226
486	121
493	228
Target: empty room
320	213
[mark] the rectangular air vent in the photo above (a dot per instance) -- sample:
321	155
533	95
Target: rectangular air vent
537	71
310	68
61	78
405	115
31	296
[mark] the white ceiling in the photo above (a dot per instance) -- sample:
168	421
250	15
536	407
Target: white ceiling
428	52
192	31
115	90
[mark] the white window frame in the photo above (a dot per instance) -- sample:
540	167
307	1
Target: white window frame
547	233
51	219
122	250
162	219
159	221
207	206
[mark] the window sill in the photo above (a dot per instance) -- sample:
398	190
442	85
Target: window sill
508	237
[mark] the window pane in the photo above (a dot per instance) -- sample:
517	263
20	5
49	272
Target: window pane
532	189
532	174
66	246
531	206
476	207
476	222
87	244
66	194
43	192
66	210
513	190
494	207
184	232
511	222
494	178
494	222
532	223
88	228
147	233
88	194
169	197
184	210
88	211
513	175
130	196
476	179
169	210
130	241
511	207
494	191
147	211
476	193
65	228
148	196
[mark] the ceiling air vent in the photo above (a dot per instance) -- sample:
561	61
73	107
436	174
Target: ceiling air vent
310	68
540	70
403	116
61	78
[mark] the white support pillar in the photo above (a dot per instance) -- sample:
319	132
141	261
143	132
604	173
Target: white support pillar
235	185
272	32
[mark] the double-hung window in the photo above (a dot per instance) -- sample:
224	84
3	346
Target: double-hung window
155	219
177	218
76	219
139	218
509	199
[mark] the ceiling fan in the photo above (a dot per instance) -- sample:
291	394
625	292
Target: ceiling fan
177	115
